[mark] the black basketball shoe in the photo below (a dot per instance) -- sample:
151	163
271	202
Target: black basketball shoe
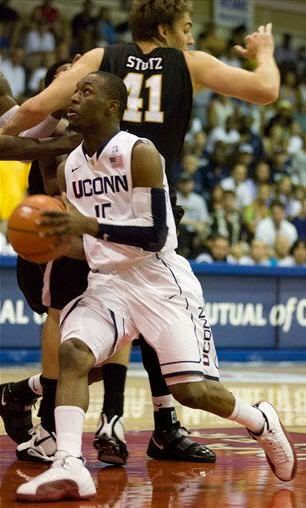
16	415
110	441
174	444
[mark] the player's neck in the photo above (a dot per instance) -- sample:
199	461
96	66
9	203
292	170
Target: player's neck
94	141
148	46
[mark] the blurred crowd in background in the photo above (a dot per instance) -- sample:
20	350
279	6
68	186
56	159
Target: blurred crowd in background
242	175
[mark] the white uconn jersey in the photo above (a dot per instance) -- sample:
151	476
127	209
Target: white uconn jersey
101	186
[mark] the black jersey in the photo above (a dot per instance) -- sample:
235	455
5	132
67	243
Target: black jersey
35	180
160	96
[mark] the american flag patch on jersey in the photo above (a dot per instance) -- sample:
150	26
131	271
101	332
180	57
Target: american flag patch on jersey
116	161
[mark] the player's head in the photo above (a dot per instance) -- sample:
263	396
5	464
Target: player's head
166	22
100	98
56	69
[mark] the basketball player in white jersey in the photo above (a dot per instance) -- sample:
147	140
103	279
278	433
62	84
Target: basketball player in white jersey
138	284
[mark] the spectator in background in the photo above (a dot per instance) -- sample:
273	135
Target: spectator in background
244	155
36	81
84	28
299	222
274	140
217	251
283	118
216	169
227	221
105	30
285	54
194	222
280	164
298	254
257	210
230	56
259	254
8	22
199	146
210	41
262	174
240	184
295	141
191	164
288	90
14	72
39	39
284	192
250	138
298	165
269	228
228	134
46	13
219	109
216	199
282	251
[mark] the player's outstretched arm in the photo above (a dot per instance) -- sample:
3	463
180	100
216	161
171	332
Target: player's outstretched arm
17	148
260	86
55	96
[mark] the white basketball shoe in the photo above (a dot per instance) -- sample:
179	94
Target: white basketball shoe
41	446
277	445
110	440
67	478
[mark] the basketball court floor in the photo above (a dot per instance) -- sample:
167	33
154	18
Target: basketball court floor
240	478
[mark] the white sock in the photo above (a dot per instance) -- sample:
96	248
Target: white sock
69	428
247	415
162	402
35	384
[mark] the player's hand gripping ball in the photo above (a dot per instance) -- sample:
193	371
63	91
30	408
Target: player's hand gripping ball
24	230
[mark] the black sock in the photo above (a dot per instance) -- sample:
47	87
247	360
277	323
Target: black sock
164	419
151	364
114	376
47	405
23	392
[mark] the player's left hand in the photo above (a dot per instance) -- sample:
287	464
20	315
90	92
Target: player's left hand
68	223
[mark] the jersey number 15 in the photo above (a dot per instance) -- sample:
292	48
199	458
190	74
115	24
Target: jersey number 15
134	84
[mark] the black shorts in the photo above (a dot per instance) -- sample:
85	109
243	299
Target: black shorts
51	285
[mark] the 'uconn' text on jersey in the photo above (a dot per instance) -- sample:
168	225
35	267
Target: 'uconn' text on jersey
99	185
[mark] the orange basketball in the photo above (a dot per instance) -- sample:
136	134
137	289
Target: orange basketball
23	232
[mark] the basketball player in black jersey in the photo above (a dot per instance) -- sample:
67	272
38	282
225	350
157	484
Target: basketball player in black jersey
160	76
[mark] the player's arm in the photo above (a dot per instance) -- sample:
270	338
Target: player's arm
260	86
55	96
17	148
148	230
76	250
6	97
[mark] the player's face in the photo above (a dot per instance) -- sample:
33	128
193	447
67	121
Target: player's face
180	35
89	105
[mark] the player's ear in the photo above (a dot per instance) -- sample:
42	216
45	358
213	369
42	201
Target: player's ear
113	107
163	32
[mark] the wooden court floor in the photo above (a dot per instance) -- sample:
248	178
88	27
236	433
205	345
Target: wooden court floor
240	478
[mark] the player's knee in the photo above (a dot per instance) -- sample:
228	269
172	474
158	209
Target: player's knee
190	394
75	356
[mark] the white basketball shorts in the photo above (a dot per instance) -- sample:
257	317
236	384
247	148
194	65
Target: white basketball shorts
161	299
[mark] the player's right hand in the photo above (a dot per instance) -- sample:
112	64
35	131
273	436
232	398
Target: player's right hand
259	43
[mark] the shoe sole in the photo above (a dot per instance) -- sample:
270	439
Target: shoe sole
55	491
294	469
25	457
108	453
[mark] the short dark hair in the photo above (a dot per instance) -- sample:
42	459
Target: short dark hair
115	89
50	74
277	202
146	15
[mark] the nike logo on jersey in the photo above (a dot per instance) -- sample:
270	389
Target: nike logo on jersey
74	169
3	403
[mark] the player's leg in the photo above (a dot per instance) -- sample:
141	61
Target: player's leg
109	438
189	356
55	295
85	316
169	441
261	421
41	445
17	398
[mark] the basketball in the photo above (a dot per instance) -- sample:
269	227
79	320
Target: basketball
23	231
